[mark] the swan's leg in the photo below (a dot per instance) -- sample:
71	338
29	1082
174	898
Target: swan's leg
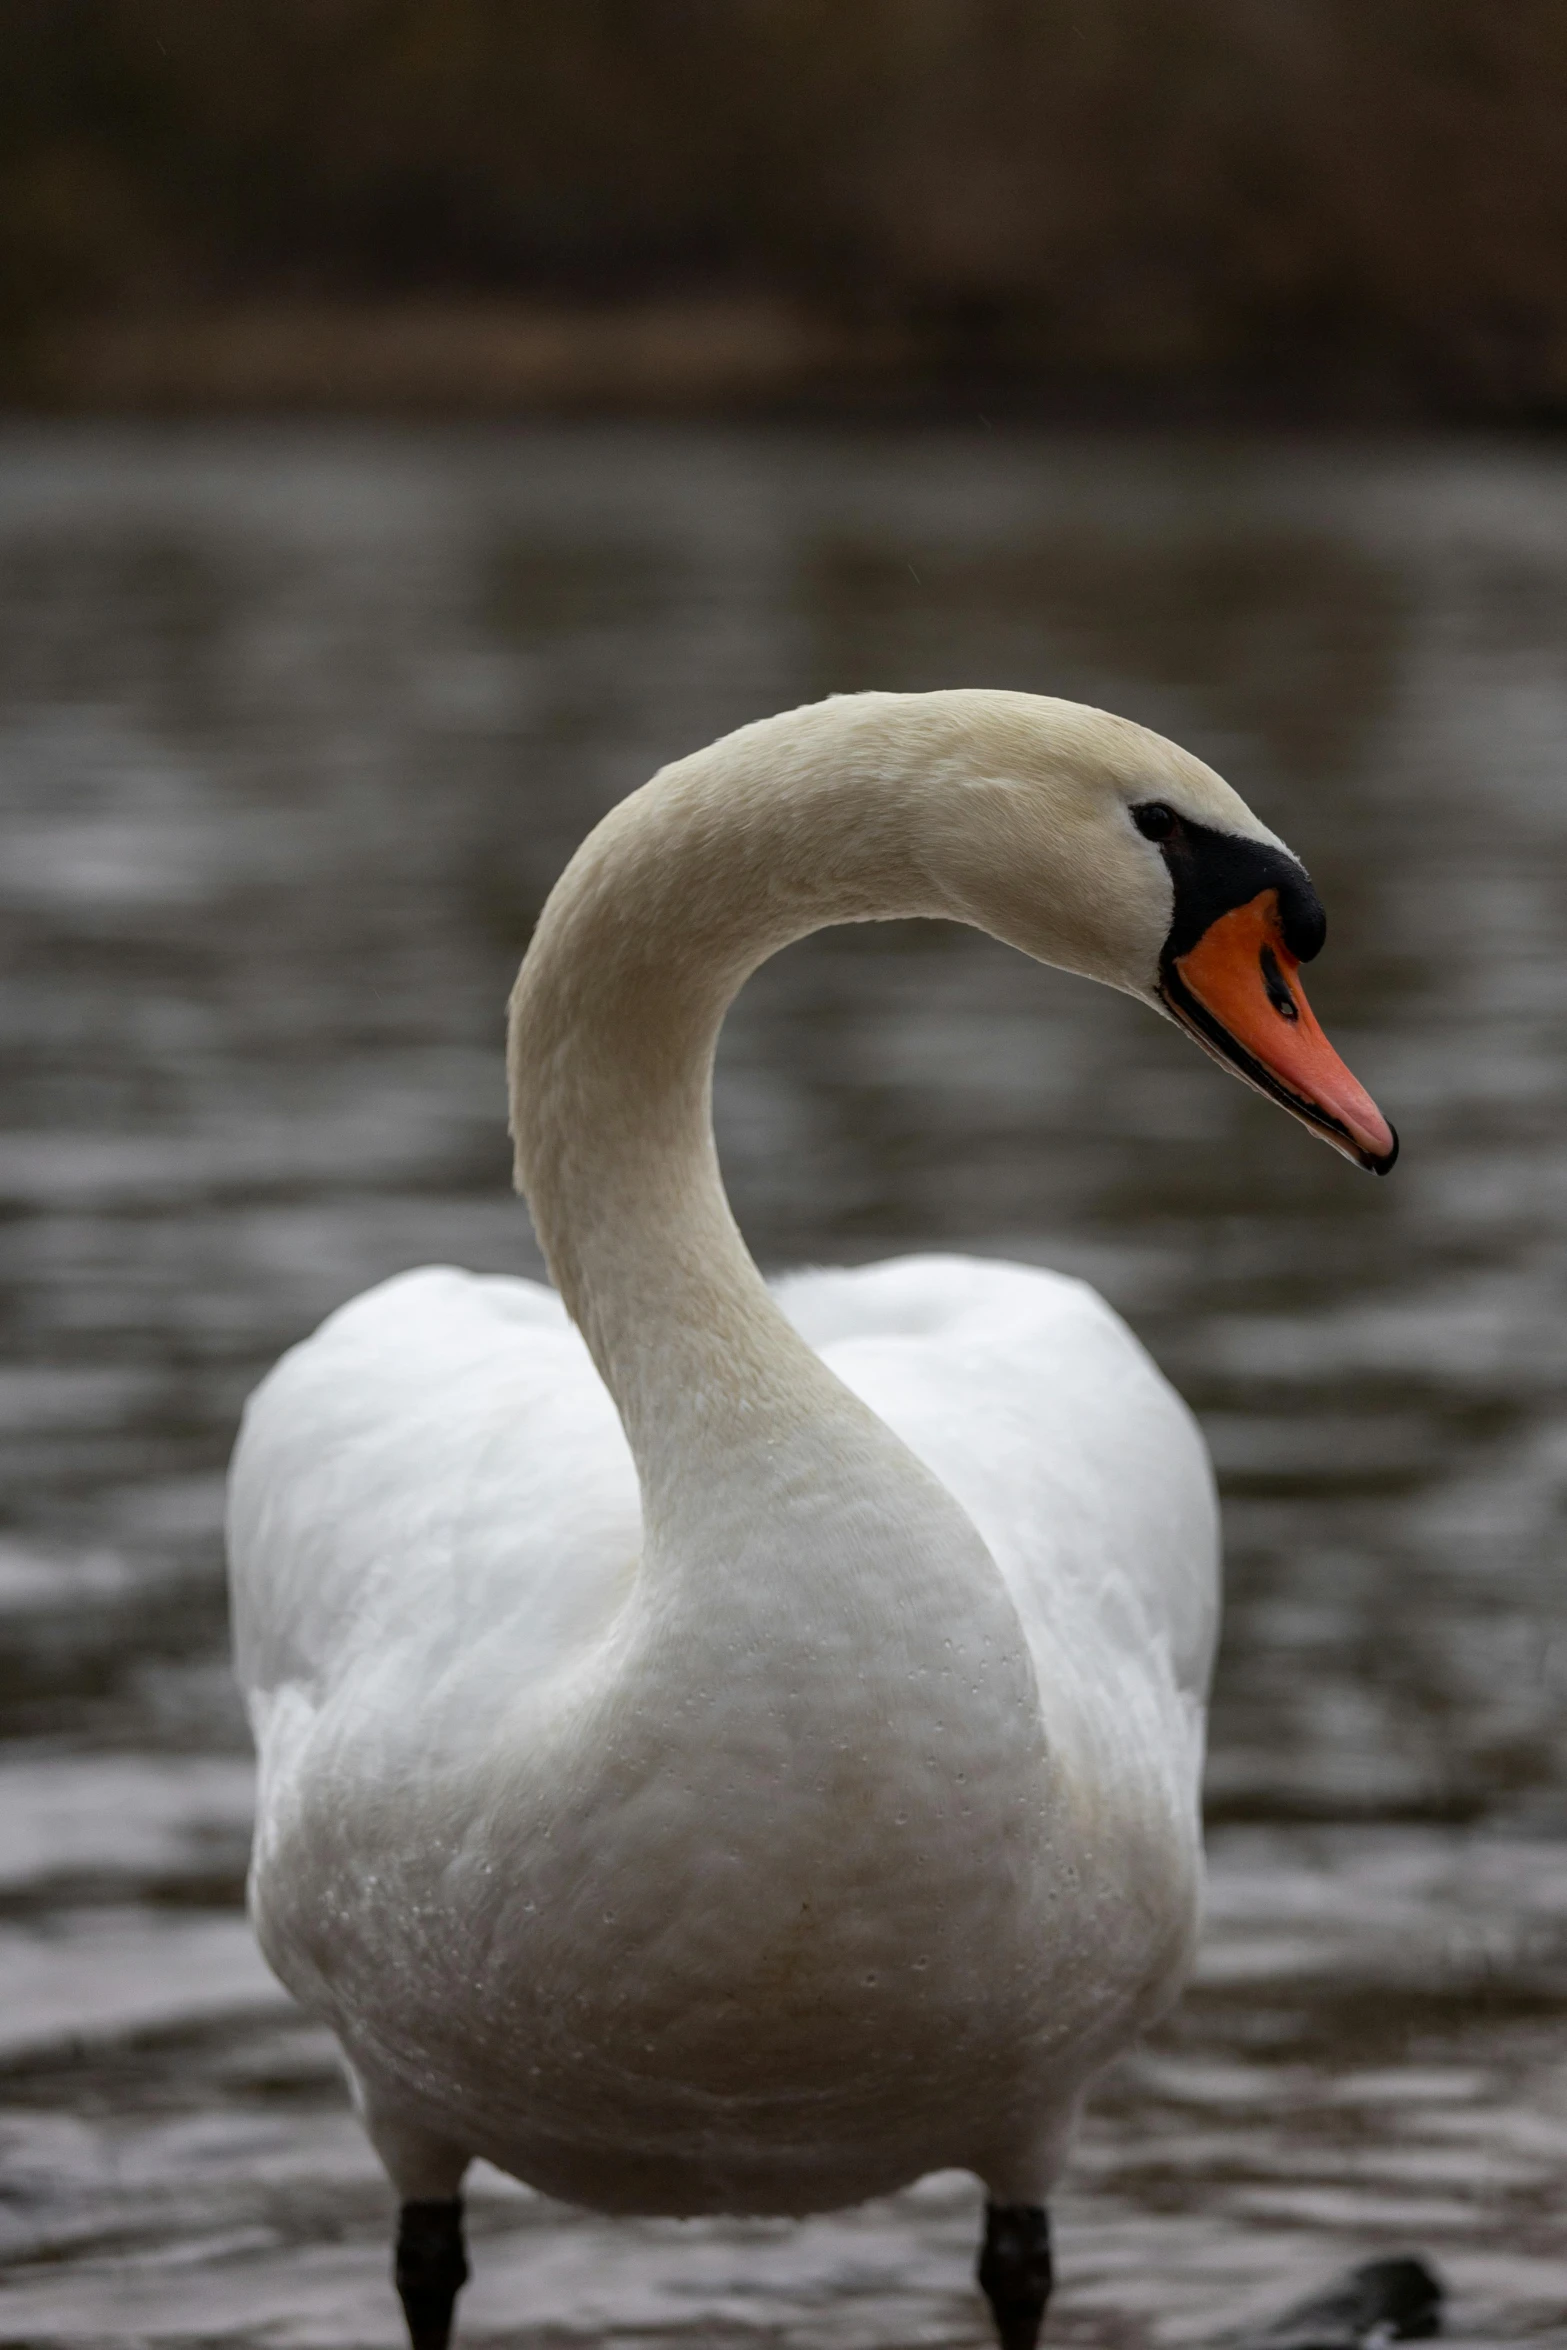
1015	2270
431	2269
430	2265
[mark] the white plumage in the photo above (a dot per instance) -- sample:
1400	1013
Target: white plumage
445	1497
741	1750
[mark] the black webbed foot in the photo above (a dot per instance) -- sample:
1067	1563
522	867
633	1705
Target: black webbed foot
1015	2270
430	2269
1381	2301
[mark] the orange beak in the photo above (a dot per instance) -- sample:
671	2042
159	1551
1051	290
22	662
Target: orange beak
1238	991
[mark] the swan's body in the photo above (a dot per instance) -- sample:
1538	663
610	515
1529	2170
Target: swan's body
742	1752
854	1910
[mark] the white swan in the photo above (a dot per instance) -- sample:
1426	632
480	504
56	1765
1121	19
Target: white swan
737	1750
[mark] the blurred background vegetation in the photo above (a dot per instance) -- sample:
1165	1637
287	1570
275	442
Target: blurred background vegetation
1340	207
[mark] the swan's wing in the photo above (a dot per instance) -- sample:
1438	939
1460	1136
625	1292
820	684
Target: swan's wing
1037	1408
438	1470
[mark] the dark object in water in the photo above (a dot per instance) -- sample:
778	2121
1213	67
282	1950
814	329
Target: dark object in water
1381	2301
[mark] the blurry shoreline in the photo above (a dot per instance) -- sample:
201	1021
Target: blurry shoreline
447	356
1319	213
441	356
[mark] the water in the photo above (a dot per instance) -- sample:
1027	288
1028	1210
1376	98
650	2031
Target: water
296	729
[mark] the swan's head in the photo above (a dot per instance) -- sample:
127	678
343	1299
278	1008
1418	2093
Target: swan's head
1094	844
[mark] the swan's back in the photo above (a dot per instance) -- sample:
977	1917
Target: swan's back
440	1471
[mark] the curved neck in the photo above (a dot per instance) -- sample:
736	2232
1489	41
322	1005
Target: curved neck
664	912
984	807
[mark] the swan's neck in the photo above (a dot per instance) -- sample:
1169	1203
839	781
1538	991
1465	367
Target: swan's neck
658	920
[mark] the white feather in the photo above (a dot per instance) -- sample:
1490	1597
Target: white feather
786	1783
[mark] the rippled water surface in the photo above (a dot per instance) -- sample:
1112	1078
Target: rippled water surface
296	729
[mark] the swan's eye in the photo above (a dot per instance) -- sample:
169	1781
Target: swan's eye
1154	820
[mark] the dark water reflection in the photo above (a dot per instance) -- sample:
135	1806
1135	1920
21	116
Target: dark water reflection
295	732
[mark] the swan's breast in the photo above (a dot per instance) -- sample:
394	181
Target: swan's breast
765	1886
